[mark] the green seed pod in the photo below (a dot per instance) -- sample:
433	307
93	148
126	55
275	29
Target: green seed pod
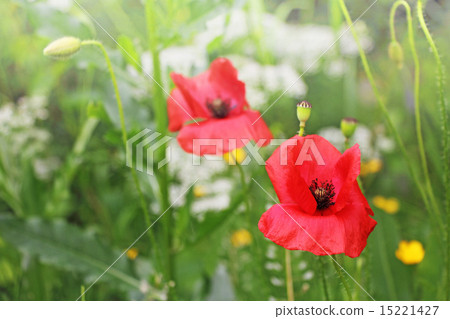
303	111
63	48
396	53
348	126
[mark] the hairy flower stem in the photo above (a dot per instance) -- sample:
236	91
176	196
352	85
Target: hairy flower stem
324	280
245	190
415	56
445	134
431	208
255	249
125	138
341	275
161	126
289	281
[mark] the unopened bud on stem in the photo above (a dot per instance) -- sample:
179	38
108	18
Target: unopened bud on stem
63	48
396	53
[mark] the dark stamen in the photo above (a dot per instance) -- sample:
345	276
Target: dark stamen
323	193
219	108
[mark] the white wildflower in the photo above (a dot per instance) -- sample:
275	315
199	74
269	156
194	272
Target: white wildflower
277	281
371	144
302	265
273	266
308	275
347	42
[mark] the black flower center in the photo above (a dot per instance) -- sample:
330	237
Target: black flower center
323	193
218	108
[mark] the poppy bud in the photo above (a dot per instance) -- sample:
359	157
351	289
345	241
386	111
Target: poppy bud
348	126
303	111
63	48
395	52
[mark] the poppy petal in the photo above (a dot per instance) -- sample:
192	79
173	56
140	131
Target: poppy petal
196	91
350	194
346	169
224	79
220	136
345	232
287	226
296	163
358	226
178	110
291	191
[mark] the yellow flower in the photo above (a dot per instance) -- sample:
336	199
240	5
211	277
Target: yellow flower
410	253
199	191
389	205
238	155
371	167
241	237
132	253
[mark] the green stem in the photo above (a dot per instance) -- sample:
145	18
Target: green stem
161	126
386	268
433	212
83	294
55	206
255	248
324	281
415	56
289	281
347	143
445	132
392	21
302	130
245	190
124	135
341	275
116	88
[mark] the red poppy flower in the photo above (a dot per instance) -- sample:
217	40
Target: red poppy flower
322	209
216	100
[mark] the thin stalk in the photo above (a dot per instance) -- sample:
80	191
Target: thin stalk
289	281
385	264
161	126
55	206
324	281
347	143
445	131
245	189
302	130
415	56
341	276
83	293
433	212
124	136
255	248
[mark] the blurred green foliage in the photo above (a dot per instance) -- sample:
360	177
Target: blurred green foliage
62	230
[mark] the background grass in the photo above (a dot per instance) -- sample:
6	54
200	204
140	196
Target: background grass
68	214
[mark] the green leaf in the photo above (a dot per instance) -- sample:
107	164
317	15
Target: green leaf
67	247
129	51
